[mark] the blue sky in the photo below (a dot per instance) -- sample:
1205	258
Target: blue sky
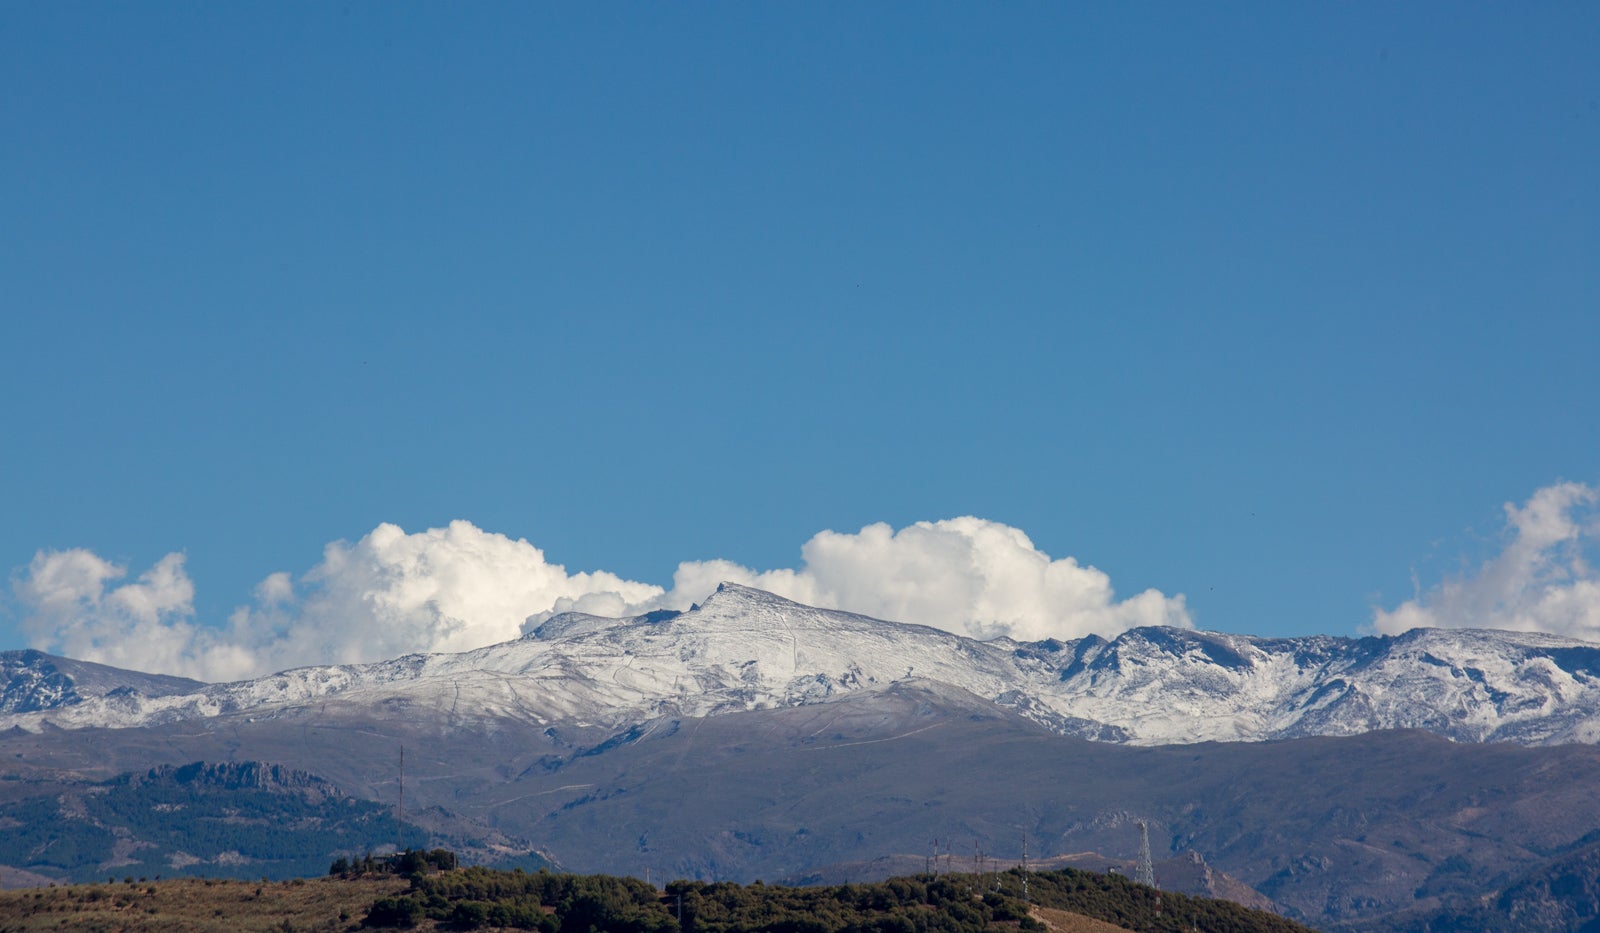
1271	305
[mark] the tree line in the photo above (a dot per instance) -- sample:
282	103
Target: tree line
549	902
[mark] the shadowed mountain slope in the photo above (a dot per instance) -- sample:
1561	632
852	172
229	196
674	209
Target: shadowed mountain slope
1335	830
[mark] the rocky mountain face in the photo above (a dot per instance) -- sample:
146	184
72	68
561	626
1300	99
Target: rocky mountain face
235	775
745	650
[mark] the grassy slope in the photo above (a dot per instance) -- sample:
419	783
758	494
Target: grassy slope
197	906
1062	921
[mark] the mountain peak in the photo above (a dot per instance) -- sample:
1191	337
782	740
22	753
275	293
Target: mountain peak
728	593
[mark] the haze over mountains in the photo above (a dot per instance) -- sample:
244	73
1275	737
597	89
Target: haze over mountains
752	736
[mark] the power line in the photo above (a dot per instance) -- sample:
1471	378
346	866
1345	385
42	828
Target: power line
1145	874
1025	866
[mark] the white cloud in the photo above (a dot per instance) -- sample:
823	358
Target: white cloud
966	575
391	593
459	587
74	608
1540	581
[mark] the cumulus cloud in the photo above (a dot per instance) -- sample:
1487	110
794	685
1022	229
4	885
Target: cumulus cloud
459	587
967	575
76	607
1539	582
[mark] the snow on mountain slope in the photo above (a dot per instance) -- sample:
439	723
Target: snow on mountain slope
31	681
743	649
746	649
1172	685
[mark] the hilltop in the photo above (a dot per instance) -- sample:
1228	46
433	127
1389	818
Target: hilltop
478	898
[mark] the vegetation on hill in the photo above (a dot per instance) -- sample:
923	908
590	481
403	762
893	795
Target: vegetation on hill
1116	899
419	889
557	903
243	820
229	820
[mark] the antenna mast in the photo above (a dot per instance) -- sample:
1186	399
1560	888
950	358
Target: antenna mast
400	817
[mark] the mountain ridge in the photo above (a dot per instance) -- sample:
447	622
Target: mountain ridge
1339	831
745	649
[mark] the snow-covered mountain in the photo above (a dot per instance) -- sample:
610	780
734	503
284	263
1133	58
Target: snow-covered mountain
746	649
31	681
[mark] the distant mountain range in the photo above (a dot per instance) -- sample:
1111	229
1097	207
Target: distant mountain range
1436	780
745	649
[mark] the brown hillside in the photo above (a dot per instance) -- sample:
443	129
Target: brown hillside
197	905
